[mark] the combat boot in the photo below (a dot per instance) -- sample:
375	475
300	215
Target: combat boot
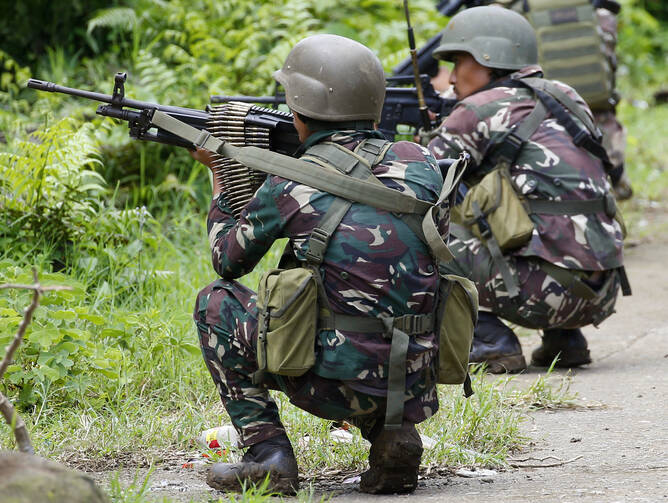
394	461
496	345
274	456
568	344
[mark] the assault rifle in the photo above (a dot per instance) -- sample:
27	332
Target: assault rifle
275	126
400	106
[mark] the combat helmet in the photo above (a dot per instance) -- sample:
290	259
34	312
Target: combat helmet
494	36
332	78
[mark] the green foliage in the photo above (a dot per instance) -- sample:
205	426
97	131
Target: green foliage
643	45
73	352
658	9
28	27
47	189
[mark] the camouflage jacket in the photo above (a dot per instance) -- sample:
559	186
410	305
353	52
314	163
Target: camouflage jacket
374	264
549	166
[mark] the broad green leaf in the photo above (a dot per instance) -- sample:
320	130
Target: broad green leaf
65	314
95	319
45	337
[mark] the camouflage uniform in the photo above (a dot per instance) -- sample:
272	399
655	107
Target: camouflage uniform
549	166
374	266
614	133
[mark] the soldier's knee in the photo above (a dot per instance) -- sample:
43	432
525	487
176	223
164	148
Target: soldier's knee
205	297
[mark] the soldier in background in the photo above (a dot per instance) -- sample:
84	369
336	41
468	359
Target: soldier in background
591	26
566	272
614	133
373	269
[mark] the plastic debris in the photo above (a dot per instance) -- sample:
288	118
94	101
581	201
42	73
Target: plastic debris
480	473
215	438
341	436
195	464
427	442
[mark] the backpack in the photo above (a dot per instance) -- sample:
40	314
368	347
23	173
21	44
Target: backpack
570	48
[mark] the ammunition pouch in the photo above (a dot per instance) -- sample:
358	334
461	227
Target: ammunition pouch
287	302
456	317
494	206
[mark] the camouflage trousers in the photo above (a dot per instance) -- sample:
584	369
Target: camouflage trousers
226	319
543	303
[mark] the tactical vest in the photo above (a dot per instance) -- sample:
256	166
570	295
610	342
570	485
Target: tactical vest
570	48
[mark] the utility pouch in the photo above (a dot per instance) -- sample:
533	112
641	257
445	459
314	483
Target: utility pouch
456	319
496	199
287	303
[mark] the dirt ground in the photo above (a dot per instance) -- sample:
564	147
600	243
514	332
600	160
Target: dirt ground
614	448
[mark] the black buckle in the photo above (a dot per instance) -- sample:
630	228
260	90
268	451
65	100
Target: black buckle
513	139
509	147
580	137
320	239
483	225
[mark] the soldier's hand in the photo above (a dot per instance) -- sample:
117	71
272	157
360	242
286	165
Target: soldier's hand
204	156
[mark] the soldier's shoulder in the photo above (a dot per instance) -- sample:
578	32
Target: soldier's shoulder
485	104
409	151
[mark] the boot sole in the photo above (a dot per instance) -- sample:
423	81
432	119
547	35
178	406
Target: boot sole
510	364
235	477
394	471
573	358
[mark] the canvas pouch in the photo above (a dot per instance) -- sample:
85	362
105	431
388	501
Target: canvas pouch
496	200
287	303
457	317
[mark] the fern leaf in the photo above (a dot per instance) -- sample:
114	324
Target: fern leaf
123	18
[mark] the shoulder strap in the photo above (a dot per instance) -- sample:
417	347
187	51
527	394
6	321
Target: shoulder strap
549	87
335	157
556	100
366	192
509	148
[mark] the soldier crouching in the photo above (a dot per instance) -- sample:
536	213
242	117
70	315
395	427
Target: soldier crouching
532	141
372	267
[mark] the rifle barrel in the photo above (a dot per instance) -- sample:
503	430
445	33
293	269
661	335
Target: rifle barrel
51	87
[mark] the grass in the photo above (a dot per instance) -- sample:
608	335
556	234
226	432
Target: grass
153	396
646	161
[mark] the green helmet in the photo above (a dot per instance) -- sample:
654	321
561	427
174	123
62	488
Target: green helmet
334	79
494	36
